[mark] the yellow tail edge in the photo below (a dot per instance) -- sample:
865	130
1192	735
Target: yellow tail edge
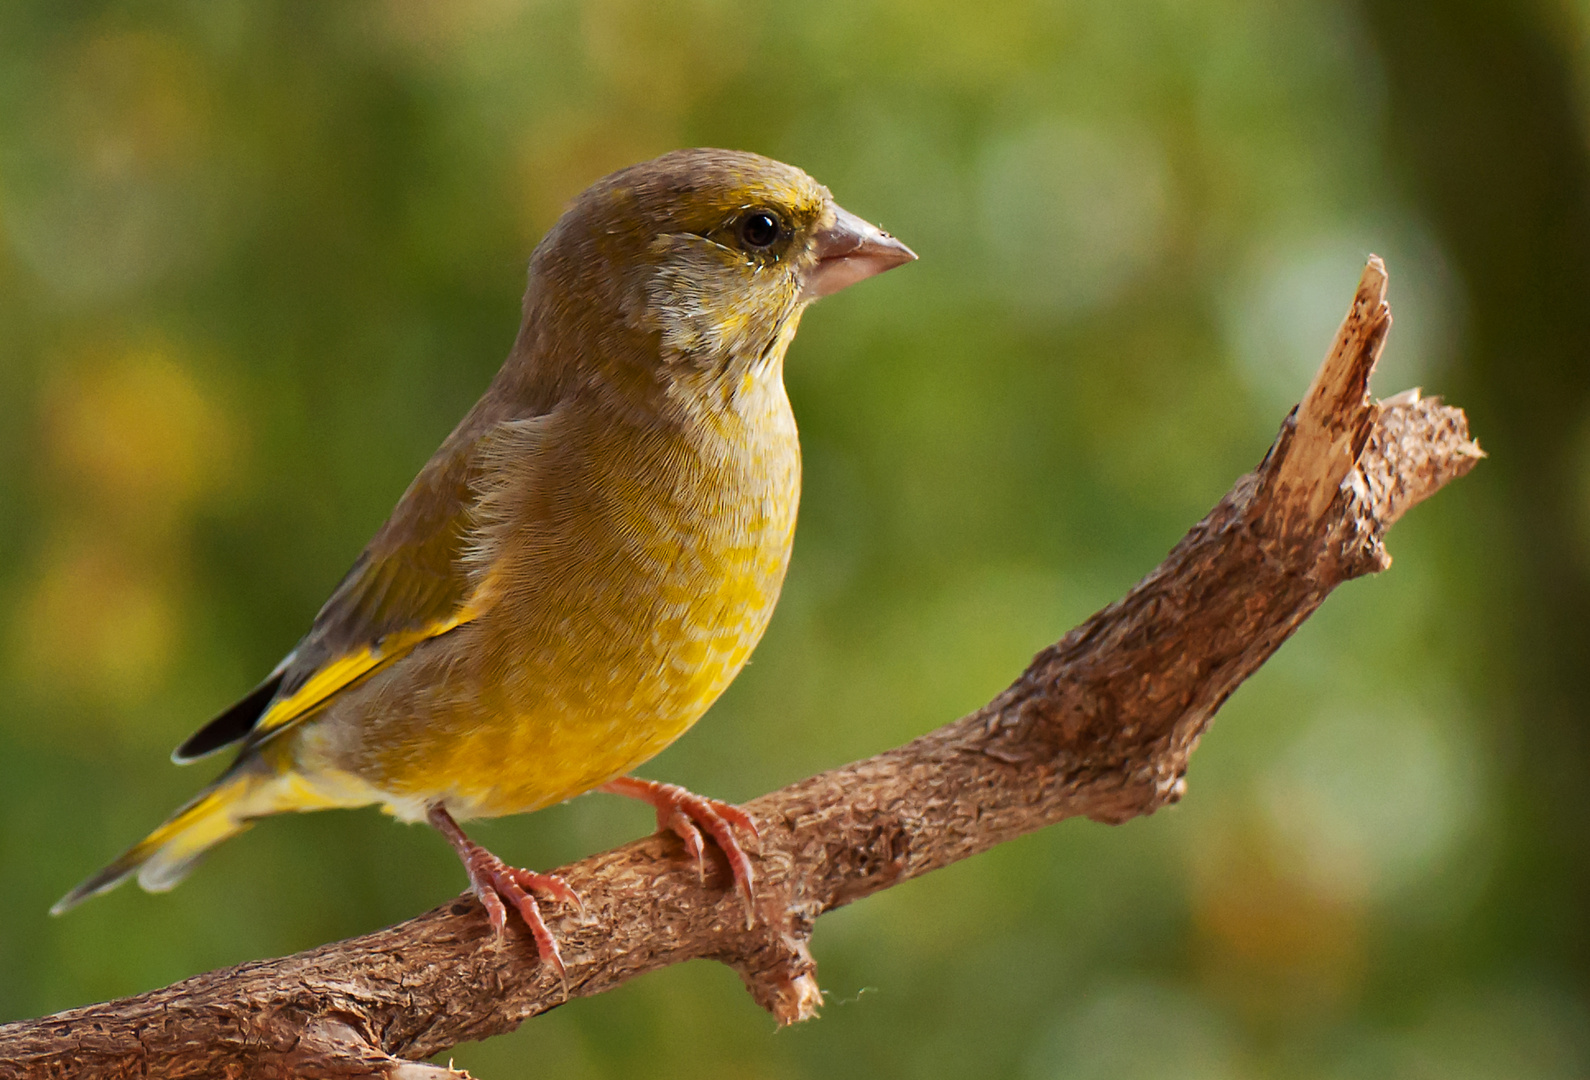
165	856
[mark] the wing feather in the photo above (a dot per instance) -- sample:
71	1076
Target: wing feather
420	577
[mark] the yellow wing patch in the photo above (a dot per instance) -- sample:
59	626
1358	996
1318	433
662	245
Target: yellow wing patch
345	670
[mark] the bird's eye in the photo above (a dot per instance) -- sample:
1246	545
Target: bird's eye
759	229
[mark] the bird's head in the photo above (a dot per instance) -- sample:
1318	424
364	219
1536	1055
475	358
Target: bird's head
693	267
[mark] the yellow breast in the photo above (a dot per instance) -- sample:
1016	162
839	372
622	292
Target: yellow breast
642	573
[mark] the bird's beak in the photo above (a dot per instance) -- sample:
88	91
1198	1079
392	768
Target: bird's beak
848	251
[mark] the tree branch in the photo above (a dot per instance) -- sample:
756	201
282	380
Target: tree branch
1100	725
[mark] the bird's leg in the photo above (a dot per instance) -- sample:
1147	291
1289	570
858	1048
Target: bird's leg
494	881
680	812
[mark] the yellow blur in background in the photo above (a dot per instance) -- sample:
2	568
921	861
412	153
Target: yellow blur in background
257	258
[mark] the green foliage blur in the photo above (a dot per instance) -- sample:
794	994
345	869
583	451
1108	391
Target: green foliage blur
256	258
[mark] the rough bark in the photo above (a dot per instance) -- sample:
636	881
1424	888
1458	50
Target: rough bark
1101	725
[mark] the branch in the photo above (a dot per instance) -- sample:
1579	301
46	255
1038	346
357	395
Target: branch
1100	725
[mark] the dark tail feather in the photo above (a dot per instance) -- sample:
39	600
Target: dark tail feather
231	725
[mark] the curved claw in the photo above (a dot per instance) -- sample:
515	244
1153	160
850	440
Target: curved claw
550	885
494	881
679	823
506	882
736	817
687	815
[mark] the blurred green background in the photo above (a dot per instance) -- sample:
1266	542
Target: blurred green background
256	258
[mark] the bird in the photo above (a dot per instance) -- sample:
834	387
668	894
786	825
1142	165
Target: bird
585	563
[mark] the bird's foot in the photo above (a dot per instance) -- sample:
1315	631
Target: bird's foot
494	882
686	814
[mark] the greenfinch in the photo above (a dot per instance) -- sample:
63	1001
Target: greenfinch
586	562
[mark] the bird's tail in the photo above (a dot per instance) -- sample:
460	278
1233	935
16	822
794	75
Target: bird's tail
165	856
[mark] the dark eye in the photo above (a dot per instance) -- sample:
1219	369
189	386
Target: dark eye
759	229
